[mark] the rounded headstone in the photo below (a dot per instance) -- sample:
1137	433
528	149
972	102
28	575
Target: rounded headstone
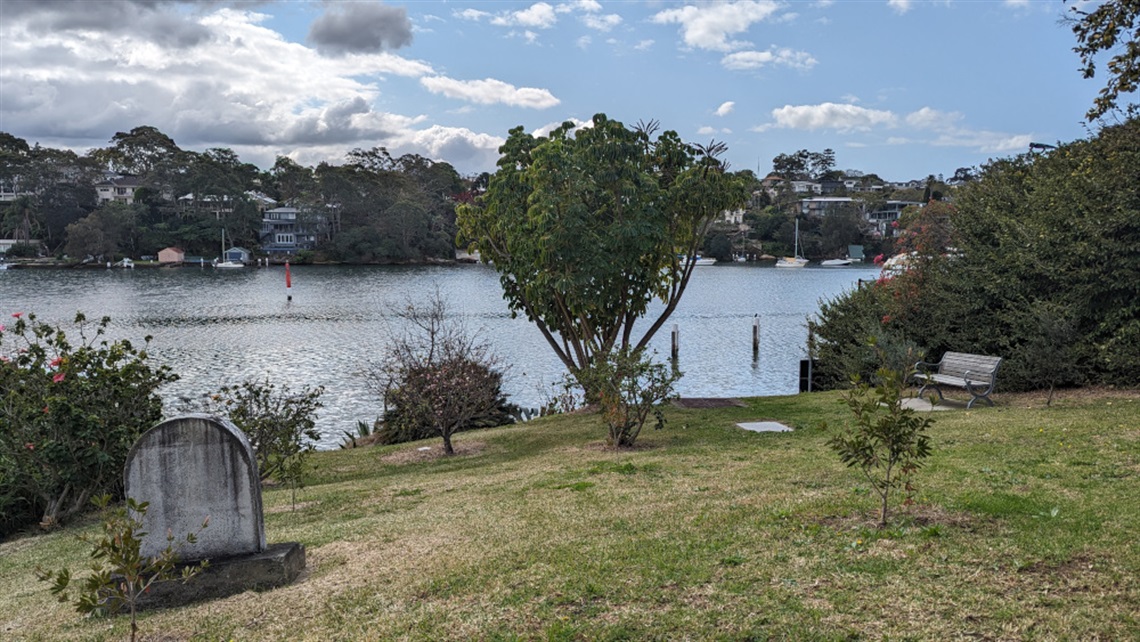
192	467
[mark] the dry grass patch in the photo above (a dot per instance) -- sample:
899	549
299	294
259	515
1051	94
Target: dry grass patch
421	454
541	533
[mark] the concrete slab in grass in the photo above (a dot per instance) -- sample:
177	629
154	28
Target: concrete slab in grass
764	426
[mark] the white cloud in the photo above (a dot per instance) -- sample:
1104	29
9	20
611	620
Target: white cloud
489	92
747	60
644	45
458	145
472	14
241	88
831	116
589	6
725	108
901	6
602	23
1017	4
709	26
984	141
537	16
712	131
583	42
549	127
927	118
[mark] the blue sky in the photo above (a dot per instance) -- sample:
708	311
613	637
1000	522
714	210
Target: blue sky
901	88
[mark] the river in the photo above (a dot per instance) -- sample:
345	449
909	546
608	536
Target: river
219	327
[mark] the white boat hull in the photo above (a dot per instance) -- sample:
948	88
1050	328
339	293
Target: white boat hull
791	262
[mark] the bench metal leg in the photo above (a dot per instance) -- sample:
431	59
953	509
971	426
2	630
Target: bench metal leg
933	387
984	395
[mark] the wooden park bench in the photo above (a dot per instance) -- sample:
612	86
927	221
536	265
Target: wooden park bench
975	372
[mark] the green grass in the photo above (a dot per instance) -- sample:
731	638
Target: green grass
1025	528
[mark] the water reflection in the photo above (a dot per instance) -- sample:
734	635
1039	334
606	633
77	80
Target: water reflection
215	328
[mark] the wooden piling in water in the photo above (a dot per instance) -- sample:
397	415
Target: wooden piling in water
755	336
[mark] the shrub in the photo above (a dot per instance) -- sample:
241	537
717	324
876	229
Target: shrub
23	251
438	379
69	415
629	386
888	441
120	575
280	424
856	334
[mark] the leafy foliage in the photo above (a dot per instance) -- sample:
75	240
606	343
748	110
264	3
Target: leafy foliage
438	380
629	387
1110	27
1044	256
888	441
69	414
279	423
120	574
585	229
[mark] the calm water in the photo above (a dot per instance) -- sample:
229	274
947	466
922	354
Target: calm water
220	327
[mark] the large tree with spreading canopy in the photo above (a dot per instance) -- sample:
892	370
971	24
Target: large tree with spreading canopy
586	227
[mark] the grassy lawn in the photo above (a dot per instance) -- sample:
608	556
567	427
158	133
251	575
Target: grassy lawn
1025	528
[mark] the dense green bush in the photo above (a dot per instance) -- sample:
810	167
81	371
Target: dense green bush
69	413
23	251
1035	262
426	389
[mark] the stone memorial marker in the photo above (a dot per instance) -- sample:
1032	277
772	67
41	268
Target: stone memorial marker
197	466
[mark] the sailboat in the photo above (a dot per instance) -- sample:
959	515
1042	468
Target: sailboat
794	261
224	264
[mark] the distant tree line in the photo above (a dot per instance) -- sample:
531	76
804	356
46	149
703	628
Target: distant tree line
373	208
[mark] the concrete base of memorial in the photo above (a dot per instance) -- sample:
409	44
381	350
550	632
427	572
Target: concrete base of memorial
277	565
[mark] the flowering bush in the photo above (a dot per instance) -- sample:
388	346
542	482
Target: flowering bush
69	413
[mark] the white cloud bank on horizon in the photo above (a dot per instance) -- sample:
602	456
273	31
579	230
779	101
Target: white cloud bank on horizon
944	126
489	92
234	84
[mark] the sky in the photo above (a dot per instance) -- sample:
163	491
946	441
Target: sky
899	88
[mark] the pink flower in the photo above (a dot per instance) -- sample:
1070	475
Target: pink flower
886	319
879	259
30	446
56	361
17	315
5	360
1	327
58	377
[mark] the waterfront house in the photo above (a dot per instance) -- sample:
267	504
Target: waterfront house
117	188
171	255
212	205
237	255
282	234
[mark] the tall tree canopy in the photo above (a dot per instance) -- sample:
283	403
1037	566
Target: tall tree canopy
585	228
